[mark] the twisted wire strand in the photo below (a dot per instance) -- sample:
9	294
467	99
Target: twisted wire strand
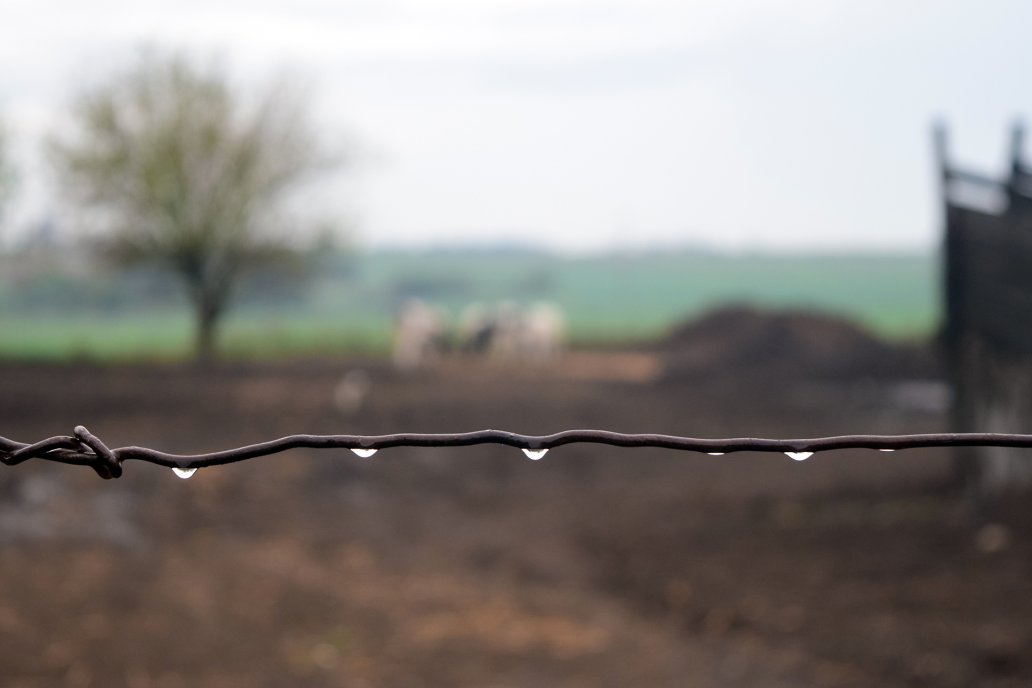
83	448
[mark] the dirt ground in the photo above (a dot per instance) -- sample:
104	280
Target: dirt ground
476	567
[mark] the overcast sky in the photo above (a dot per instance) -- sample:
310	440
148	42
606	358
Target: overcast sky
586	125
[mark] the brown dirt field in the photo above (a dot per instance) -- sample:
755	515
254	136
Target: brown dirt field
476	567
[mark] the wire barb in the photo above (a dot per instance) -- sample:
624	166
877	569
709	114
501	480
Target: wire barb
107	465
86	449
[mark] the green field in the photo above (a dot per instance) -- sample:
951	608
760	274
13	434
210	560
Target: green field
608	299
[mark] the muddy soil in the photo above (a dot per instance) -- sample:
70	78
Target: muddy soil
476	567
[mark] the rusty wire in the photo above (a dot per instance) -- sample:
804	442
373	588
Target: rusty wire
86	449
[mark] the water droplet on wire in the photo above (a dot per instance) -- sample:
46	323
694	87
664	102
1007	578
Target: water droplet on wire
534	454
364	453
799	456
183	473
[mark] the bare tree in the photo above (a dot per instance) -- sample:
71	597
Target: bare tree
186	171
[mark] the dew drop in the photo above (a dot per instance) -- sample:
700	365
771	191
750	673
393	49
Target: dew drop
799	456
534	454
364	453
886	450
183	473
715	453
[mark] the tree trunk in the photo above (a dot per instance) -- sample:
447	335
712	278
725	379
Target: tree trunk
207	314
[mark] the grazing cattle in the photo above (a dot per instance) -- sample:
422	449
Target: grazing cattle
506	333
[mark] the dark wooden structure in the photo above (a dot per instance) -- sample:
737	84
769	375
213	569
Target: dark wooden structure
987	331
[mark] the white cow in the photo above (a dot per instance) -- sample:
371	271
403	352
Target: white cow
418	335
542	332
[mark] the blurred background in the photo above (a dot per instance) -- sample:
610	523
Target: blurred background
220	224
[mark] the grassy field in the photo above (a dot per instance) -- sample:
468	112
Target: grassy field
608	299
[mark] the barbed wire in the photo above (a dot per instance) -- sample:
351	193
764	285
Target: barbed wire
83	448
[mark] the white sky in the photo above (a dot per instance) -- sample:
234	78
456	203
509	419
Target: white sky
580	125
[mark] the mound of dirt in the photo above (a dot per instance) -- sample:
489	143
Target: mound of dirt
796	343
